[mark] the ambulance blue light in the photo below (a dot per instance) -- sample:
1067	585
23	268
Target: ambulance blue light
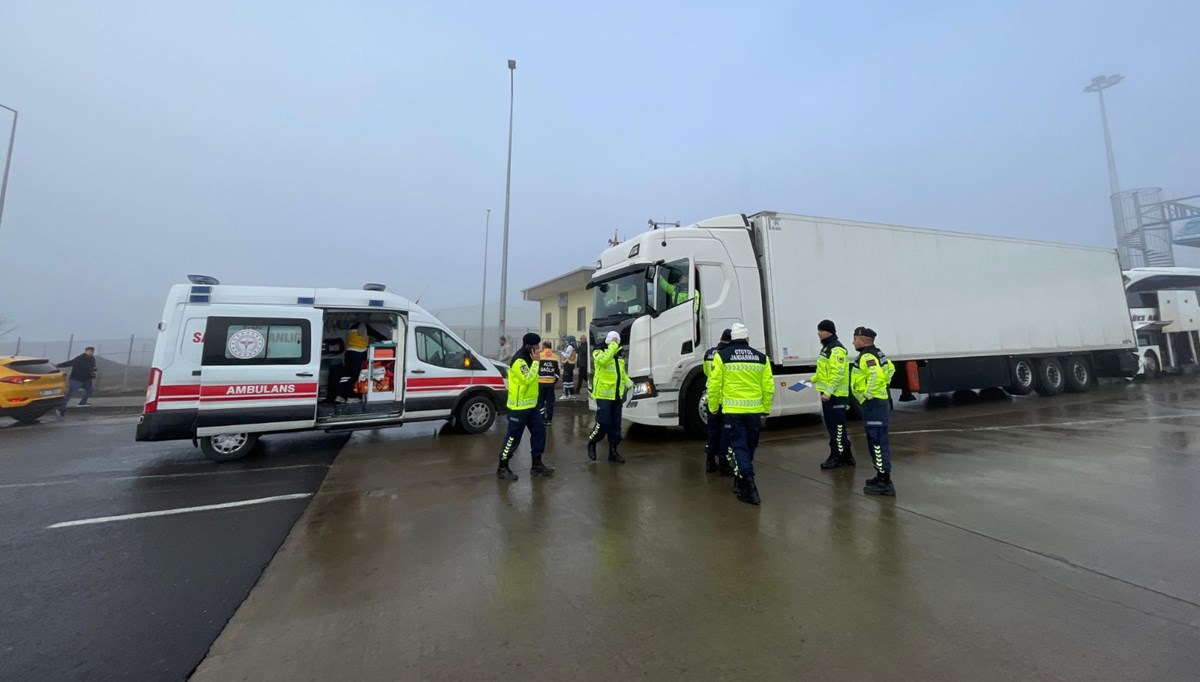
306	300
203	279
375	303
198	298
201	290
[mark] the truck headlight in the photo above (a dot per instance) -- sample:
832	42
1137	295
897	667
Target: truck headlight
643	388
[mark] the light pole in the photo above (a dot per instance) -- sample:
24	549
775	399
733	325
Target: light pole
512	70
483	304
1098	85
12	138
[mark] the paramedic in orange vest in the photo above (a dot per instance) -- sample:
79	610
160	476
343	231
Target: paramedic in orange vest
548	374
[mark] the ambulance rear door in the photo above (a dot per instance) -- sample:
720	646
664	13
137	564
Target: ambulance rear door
259	369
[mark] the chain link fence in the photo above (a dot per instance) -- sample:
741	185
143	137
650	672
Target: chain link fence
121	364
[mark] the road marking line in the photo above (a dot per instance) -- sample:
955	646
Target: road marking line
181	510
187	474
1081	422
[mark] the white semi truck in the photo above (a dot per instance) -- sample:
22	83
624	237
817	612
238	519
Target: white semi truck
954	311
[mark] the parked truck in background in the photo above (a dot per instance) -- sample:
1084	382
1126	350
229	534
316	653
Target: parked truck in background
1164	310
954	311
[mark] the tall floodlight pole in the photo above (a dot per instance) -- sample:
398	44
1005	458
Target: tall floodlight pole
12	138
487	223
512	69
1098	85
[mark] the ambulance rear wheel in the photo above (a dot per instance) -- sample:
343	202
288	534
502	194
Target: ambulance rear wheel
476	414
228	447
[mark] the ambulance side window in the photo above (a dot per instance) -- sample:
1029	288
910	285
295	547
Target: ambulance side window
236	341
437	348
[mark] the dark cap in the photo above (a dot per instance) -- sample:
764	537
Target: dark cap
865	331
727	335
531	339
826	326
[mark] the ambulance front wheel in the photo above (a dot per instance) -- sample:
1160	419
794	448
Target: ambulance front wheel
227	447
476	414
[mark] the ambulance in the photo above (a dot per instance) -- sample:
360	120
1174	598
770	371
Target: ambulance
232	363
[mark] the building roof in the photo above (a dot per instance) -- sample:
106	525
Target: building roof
575	279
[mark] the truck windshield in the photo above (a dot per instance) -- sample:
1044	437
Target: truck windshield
624	296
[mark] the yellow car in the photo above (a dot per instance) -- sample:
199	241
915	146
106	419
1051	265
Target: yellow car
29	388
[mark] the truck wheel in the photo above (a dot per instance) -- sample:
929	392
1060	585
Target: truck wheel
476	415
1078	375
1050	378
694	410
1023	377
228	447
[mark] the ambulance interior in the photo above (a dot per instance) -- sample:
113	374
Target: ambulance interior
357	383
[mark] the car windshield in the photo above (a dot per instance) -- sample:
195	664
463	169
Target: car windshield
624	296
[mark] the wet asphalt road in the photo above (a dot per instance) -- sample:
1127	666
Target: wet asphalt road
144	598
1034	538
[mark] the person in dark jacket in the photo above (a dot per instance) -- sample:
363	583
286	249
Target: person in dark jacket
83	372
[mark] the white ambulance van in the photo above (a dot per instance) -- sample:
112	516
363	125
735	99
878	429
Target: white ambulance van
234	362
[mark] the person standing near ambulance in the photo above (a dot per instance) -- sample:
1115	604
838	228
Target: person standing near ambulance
609	383
569	359
870	380
358	341
523	412
548	374
832	381
742	386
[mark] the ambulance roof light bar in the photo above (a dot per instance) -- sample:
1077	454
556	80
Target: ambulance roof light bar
203	279
374	286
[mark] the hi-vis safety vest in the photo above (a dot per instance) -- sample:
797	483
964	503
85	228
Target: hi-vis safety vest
872	375
522	385
833	370
741	381
609	379
548	367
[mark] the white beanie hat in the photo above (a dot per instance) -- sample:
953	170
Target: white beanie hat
613	337
738	332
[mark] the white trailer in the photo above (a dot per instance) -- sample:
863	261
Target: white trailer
955	311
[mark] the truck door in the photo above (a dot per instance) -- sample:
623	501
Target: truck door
259	369
674	329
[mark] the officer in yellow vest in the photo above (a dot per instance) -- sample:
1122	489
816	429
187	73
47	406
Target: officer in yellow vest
548	374
870	380
609	383
523	412
742	386
832	381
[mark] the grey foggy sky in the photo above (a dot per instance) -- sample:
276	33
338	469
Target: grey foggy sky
311	144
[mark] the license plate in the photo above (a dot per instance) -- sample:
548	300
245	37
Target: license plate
52	391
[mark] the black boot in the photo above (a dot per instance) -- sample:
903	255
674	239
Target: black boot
832	462
504	473
592	450
614	456
710	463
749	491
880	485
540	469
738	485
847	458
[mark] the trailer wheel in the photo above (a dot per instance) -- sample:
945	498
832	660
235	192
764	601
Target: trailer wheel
1078	375
476	415
694	409
228	447
1050	378
1024	376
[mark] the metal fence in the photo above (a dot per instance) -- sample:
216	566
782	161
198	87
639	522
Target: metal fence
120	363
